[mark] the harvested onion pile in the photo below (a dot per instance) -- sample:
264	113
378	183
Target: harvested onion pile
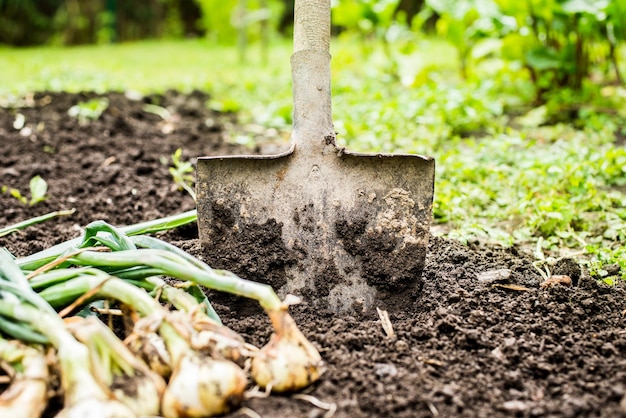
172	356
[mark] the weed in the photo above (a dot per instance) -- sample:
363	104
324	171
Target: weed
89	111
181	172
38	189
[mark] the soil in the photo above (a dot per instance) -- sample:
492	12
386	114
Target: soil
481	338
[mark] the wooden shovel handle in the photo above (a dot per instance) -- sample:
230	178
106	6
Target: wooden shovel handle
311	29
313	131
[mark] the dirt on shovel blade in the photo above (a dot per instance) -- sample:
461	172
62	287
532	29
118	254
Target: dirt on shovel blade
467	346
366	248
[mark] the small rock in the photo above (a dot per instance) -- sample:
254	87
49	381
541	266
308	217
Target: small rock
401	346
494	276
612	269
449	390
510	341
498	354
515	406
385	369
10	172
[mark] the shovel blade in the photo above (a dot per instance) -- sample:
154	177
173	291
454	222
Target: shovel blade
344	231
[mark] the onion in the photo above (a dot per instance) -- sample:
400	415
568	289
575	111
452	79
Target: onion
203	387
128	378
289	362
152	350
96	408
27	395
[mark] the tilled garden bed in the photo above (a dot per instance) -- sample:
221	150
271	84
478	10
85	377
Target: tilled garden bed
483	338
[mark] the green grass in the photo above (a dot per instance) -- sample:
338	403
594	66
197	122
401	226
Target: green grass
506	173
143	66
262	91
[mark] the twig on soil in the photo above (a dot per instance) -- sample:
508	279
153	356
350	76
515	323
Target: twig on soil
386	322
433	409
512	287
431	362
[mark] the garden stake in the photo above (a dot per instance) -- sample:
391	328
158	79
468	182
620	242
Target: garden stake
356	225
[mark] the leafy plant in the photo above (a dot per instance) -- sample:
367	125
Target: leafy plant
465	23
377	19
181	172
227	21
38	189
89	111
562	42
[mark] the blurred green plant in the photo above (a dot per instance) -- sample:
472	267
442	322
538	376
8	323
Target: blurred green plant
27	22
241	21
182	173
38	190
380	20
562	42
89	110
9	229
468	24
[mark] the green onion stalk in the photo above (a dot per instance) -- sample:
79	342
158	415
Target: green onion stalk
34	261
83	394
208	335
289	362
130	380
33	221
199	385
269	368
27	395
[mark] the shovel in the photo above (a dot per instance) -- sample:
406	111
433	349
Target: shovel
345	231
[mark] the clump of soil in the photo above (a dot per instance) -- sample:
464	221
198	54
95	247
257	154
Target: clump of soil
481	338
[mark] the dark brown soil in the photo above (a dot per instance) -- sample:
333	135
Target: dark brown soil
470	344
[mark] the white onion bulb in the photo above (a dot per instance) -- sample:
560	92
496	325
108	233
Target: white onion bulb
203	387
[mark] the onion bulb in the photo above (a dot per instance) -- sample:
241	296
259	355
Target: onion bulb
27	395
203	387
97	408
149	346
289	362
